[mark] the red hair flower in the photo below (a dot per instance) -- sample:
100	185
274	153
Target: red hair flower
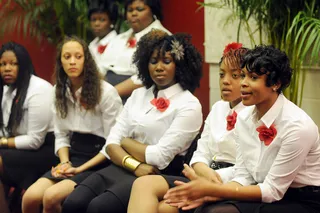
161	103
232	46
131	43
231	120
101	48
267	134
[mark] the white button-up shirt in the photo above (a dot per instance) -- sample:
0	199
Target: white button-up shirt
291	160
167	133
118	57
97	122
37	116
93	47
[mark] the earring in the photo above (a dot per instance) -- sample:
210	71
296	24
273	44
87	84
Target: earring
155	17
274	89
111	26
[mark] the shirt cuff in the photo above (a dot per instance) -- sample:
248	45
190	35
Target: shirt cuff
266	195
242	181
136	80
199	159
27	142
226	174
154	158
60	144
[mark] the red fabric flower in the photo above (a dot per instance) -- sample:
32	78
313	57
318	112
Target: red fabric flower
267	134
232	46
161	103
231	120
132	42
101	48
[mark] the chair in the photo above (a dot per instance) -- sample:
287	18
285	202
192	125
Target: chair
191	149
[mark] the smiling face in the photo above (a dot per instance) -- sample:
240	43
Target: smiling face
162	69
230	83
254	91
9	67
100	24
139	15
72	59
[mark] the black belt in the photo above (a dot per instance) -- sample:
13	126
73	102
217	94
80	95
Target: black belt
306	189
219	165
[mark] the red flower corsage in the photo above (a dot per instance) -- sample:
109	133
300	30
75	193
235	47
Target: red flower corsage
101	48
267	134
232	46
231	120
161	103
132	42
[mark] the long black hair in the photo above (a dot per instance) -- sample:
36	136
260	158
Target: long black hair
25	70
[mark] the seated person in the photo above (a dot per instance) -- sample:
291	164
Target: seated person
216	147
26	144
102	16
278	149
142	16
155	129
85	109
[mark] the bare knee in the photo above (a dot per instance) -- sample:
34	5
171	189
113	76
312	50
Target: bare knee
50	200
32	199
151	184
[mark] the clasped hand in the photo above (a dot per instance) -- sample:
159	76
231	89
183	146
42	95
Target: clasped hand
64	170
192	194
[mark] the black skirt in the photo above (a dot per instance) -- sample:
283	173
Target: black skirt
119	181
83	148
295	200
23	167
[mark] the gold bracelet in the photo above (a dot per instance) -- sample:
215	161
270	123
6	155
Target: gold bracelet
131	164
124	159
4	142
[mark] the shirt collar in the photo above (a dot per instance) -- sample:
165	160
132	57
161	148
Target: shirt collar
271	115
238	107
105	40
7	90
170	91
155	24
69	94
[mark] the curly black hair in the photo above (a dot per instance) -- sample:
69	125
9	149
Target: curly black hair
91	88
266	59
108	6
26	69
188	69
155	6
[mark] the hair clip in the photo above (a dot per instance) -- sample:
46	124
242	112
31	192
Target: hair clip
177	50
232	46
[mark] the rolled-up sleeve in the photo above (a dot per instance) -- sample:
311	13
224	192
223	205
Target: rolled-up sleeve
178	137
39	118
111	106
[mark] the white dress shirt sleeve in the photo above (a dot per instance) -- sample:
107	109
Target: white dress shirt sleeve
295	146
241	174
203	154
111	106
177	138
121	127
39	118
62	135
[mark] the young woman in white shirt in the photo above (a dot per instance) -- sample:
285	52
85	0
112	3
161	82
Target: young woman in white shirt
26	147
102	16
216	148
142	16
278	151
155	129
85	109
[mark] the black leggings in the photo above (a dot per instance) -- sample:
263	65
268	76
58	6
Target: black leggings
89	202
